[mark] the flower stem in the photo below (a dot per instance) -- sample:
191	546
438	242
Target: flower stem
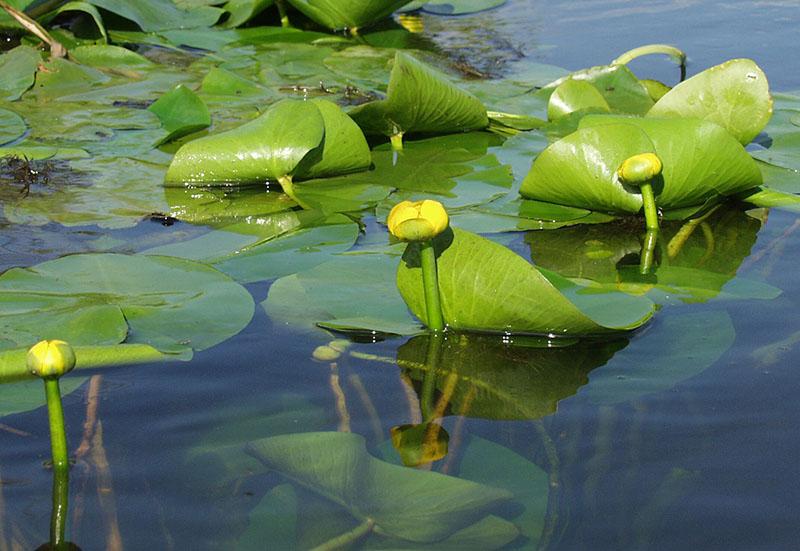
397	141
648	251
649	203
285	23
348	538
58	435
288	188
58	516
430	281
649	49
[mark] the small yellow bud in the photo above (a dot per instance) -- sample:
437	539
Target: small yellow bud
49	359
417	221
639	169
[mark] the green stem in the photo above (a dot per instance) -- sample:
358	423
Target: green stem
648	252
397	141
285	23
650	49
429	379
348	538
430	281
288	188
58	516
649	204
58	434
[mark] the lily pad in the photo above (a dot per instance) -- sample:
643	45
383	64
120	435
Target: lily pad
242	11
11	126
701	161
486	287
181	112
453	7
172	304
734	95
160	15
325	296
413	505
347	14
491	379
296	139
18	67
575	95
112	57
420	99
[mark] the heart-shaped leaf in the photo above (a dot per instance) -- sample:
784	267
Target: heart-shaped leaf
418	506
347	14
420	99
734	94
292	138
486	287
181	112
172	304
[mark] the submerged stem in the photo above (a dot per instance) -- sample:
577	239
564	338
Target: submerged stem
430	281
285	23
348	538
58	516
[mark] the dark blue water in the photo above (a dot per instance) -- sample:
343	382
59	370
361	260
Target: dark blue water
707	461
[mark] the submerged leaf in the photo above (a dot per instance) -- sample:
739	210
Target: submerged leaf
11	126
453	7
413	505
18	67
734	95
420	99
486	287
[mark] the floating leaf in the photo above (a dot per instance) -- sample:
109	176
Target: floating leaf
453	7
18	67
11	126
111	57
734	95
300	139
160	15
486	287
29	395
413	505
347	14
84	7
420	99
325	296
242	11
171	304
678	347
491	379
181	112
782	144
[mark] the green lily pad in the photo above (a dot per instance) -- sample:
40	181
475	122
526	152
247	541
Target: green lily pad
325	296
701	161
347	14
25	396
12	126
453	7
734	95
160	15
486	287
274	252
242	11
111	57
86	8
420	99
491	379
172	304
60	77
18	67
413	505
299	139
575	95
678	347
181	112
782	147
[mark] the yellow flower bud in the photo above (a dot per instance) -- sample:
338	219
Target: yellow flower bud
418	444
639	169
48	359
417	221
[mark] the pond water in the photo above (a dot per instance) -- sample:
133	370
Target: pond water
684	435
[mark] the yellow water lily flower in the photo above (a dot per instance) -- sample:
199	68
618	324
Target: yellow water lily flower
417	221
51	358
639	169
